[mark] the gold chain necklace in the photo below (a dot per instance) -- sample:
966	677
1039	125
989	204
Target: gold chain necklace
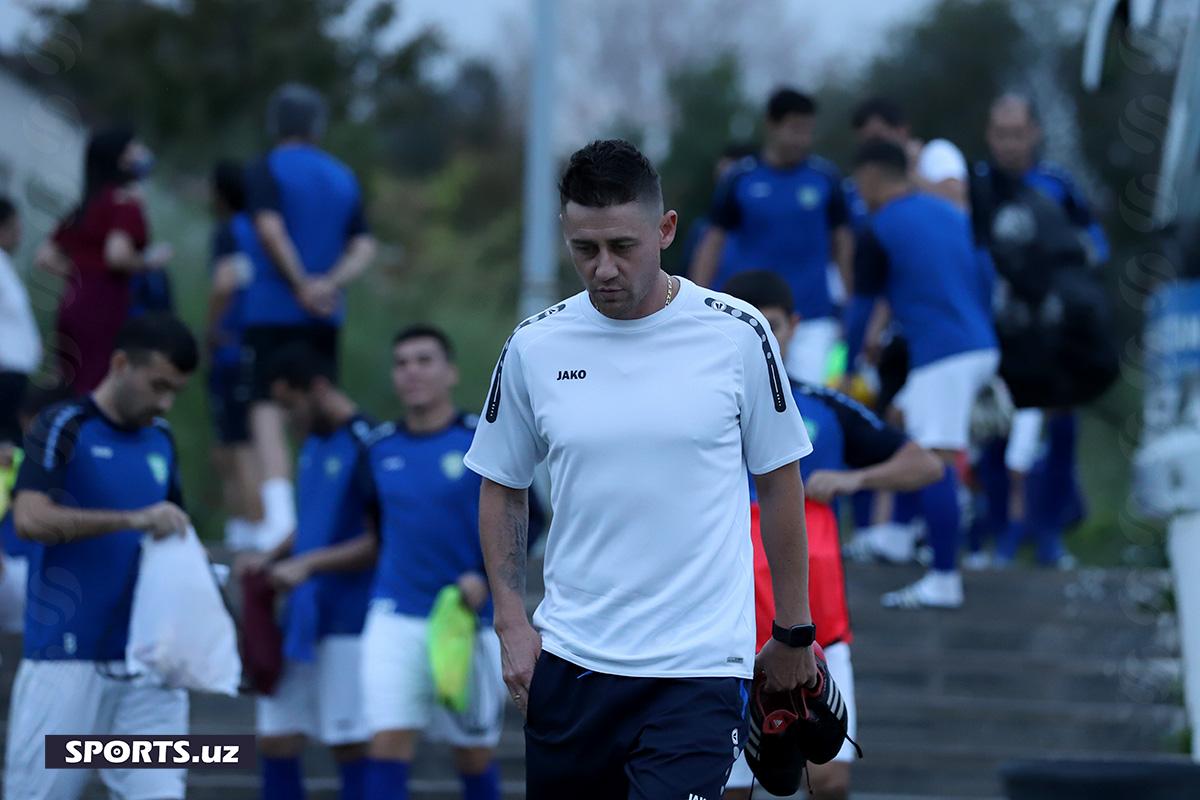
669	281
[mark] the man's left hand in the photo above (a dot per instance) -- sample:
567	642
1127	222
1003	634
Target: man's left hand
826	484
786	668
286	575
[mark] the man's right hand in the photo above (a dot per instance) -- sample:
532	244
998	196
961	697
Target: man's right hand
319	296
520	646
245	563
161	519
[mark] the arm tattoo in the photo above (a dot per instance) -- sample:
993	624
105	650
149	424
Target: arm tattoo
516	513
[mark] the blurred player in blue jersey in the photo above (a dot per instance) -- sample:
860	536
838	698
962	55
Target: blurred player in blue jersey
428	539
917	251
318	696
785	212
308	217
234	241
99	473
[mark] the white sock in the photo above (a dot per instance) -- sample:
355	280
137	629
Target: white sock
279	512
240	533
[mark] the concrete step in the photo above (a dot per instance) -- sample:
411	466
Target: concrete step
1044	677
942	633
893	720
1089	594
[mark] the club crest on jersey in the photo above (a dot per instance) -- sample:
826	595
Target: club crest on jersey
158	468
808	196
452	465
572	374
333	465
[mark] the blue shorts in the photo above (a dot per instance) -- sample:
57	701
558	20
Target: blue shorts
592	736
229	404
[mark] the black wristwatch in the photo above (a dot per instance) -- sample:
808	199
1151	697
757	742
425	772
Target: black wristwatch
796	636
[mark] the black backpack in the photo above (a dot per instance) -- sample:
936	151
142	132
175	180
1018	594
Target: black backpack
1051	315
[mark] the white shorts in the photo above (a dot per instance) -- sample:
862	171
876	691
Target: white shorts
937	398
72	697
12	594
320	699
398	685
1024	439
808	352
837	656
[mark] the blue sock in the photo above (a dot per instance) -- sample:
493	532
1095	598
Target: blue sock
353	779
1062	431
939	506
905	507
282	779
863	504
386	780
994	481
1048	546
1011	539
484	786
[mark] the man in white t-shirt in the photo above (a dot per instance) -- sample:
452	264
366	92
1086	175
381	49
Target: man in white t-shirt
20	344
648	397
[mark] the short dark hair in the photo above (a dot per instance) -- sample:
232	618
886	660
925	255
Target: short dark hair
299	365
885	154
426	331
159	332
229	182
8	209
609	172
785	102
296	110
1018	96
887	110
761	289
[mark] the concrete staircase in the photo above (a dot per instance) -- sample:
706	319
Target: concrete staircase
1037	665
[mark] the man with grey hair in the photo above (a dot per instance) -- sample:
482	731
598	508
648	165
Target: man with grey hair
1015	165
309	239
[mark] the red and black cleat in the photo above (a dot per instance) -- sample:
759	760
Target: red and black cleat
790	729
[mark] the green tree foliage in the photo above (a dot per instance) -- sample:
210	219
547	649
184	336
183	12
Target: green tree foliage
708	105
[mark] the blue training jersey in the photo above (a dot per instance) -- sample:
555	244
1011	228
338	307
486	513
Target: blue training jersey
80	593
322	208
429	514
334	498
844	433
782	220
919	251
227	242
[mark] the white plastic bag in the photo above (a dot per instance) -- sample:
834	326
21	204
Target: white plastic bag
180	633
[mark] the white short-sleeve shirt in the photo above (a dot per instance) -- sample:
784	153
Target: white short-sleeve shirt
648	427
